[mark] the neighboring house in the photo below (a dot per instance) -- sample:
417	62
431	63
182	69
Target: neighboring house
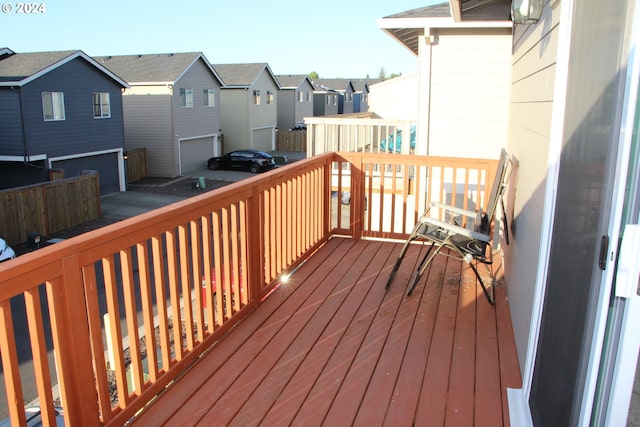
250	98
361	95
573	133
172	109
395	98
345	90
59	111
464	74
325	101
295	100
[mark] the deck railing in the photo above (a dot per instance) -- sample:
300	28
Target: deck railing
116	314
359	133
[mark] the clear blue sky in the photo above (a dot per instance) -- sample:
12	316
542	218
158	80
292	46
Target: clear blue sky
335	38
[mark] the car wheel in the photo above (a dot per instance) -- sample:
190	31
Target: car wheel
214	165
254	168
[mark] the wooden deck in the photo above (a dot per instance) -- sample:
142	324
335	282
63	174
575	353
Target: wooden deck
334	348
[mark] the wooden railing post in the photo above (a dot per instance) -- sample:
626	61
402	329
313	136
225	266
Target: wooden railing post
255	244
70	331
357	196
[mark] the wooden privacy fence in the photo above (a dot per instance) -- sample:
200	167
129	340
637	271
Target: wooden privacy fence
136	161
292	140
48	207
154	274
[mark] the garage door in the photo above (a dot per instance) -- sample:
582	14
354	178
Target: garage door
194	154
263	139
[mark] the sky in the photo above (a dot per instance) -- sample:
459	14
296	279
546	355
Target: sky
335	38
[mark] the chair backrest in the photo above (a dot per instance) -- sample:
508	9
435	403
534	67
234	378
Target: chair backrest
499	184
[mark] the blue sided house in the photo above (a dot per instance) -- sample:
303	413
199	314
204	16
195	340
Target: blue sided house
62	112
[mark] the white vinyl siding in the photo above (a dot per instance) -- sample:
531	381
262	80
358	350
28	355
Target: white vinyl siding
470	90
101	105
532	97
53	106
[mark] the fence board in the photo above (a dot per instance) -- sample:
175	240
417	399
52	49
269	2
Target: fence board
292	140
48	207
136	161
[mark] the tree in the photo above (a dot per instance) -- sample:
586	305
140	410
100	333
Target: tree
313	75
381	74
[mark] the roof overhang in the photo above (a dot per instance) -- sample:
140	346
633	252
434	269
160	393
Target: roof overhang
74	55
408	29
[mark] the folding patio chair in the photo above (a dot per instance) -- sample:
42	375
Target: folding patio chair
464	239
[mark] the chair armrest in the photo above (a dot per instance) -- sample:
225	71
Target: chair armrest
454	209
456	229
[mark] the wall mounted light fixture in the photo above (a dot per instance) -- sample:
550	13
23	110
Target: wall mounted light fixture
526	11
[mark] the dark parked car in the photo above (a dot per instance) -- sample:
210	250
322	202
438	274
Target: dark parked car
252	160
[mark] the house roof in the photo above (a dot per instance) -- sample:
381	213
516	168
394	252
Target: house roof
243	75
340	85
156	68
292	81
406	27
18	69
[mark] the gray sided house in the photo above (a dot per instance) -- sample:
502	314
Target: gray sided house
345	90
60	111
325	101
361	94
250	98
171	109
295	100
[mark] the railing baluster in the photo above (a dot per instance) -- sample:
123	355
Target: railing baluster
132	321
10	366
38	348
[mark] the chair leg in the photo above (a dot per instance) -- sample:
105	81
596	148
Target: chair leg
422	267
488	293
396	266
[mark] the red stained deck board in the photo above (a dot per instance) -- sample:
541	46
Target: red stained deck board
233	384
404	401
336	343
326	319
337	349
433	395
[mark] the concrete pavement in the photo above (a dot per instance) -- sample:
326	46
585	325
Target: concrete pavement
126	204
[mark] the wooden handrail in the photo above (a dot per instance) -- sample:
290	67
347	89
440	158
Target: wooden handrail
154	274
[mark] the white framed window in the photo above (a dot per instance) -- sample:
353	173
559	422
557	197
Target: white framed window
186	98
209	98
309	95
101	105
270	97
301	96
328	99
256	97
53	106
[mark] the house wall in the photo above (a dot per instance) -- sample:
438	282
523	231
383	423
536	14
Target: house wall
347	106
469	92
532	96
234	118
287	99
199	120
79	132
395	98
11	136
304	108
149	125
79	136
263	118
